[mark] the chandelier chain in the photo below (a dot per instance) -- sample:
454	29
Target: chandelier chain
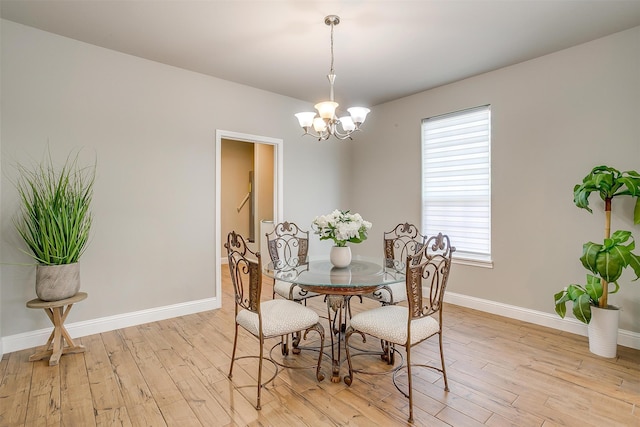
331	69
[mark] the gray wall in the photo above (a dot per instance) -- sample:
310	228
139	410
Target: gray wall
553	120
152	129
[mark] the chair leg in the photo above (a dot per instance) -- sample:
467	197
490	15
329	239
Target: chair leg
348	379
444	370
260	374
284	345
409	379
318	328
233	353
388	352
295	342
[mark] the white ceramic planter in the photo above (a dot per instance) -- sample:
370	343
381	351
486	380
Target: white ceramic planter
340	256
603	331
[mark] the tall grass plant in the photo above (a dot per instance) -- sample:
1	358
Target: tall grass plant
55	217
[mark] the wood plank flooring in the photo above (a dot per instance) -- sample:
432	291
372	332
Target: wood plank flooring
501	372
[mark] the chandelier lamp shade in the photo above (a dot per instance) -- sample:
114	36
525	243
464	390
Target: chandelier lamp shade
324	123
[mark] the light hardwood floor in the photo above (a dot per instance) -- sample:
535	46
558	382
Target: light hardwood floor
174	372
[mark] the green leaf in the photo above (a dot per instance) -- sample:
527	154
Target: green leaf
574	291
561	299
616	287
581	197
620	236
589	256
582	308
634	262
610	264
604	183
594	288
631	184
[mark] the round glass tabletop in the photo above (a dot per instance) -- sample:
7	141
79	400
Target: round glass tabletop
363	275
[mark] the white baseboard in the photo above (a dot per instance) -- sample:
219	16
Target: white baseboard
104	324
36	338
625	338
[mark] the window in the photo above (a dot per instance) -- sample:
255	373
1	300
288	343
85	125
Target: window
456	181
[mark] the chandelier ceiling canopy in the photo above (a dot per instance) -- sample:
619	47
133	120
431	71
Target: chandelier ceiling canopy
325	123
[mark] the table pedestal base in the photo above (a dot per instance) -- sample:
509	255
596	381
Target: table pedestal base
339	305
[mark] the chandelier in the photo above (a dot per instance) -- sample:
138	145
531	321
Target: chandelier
325	124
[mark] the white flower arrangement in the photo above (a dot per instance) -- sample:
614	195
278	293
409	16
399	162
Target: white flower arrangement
342	227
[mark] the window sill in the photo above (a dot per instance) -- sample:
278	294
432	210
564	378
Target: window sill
475	262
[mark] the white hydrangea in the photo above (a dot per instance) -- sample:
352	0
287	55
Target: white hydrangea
341	227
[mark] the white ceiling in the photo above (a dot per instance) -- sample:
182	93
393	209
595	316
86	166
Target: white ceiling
384	50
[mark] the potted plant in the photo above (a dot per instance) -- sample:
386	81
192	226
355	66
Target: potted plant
606	261
54	221
342	227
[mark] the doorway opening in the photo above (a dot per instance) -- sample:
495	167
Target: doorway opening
248	189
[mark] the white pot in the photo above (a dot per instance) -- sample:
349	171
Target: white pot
603	331
340	256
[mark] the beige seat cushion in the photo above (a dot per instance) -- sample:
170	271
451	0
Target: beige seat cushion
398	290
279	317
283	288
389	323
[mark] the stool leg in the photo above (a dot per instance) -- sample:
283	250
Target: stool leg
72	348
47	349
57	336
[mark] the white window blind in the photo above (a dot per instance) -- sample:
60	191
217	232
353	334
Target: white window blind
456	181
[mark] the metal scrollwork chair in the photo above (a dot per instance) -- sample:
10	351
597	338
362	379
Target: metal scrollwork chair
427	273
264	319
403	241
288	247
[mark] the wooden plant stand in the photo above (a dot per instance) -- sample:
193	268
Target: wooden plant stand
57	311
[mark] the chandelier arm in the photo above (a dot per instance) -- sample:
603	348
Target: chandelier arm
322	136
333	131
340	135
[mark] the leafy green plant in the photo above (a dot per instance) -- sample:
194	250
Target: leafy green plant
611	258
607	261
55	217
609	183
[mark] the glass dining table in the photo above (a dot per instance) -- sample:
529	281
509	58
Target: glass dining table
363	276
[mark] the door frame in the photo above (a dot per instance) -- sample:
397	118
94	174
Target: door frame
277	189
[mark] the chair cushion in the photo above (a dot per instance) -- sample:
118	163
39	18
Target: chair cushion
398	290
283	288
389	323
279	317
